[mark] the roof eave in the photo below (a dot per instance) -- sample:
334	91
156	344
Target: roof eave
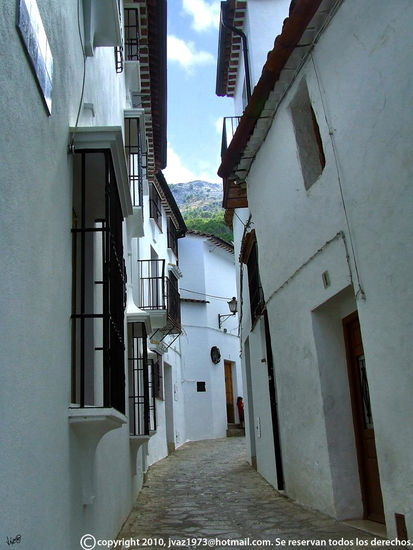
285	43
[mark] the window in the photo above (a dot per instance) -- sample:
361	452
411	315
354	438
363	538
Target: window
98	287
172	237
200	387
155	206
133	147
254	284
307	135
174	301
157	377
138	372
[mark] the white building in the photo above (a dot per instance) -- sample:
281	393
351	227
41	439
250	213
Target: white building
89	276
318	175
211	368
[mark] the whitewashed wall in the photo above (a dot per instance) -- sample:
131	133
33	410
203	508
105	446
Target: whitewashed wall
263	21
362	97
41	462
208	272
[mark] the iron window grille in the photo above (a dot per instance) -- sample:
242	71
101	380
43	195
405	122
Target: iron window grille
152	399
119	49
99	277
133	147
138	371
152	292
254	283
174	301
157	377
172	237
155	206
119	59
131	34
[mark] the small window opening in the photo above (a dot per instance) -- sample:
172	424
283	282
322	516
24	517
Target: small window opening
307	135
200	386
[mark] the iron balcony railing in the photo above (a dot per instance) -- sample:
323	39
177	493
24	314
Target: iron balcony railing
158	292
131	34
152	284
229	125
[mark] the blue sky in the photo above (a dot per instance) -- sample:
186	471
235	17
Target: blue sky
194	111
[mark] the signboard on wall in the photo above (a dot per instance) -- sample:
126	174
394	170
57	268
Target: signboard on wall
37	47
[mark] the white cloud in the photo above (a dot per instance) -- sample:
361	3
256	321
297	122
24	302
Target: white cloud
175	171
218	125
204	14
185	53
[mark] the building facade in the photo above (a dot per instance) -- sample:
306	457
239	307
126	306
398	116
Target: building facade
211	368
317	173
90	292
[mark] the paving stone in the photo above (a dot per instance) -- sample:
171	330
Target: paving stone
207	490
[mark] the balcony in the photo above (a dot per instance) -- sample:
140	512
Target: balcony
102	24
229	125
152	287
159	294
234	193
131	26
132	54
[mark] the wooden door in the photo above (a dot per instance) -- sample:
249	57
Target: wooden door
363	421
229	393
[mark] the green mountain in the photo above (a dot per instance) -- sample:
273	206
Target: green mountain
200	204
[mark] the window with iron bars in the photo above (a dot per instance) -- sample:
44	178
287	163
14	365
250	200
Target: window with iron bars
119	49
133	148
174	300
172	237
254	284
155	206
157	377
131	26
138	379
98	284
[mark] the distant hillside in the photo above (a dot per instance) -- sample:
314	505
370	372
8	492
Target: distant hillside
200	204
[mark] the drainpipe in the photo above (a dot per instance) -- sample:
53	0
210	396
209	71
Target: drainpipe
244	49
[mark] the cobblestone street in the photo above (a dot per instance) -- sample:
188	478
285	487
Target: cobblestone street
208	490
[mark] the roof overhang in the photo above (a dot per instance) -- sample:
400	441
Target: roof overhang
153	80
169	204
229	47
300	32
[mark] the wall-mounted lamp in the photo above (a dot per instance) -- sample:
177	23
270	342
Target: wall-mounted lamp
232	304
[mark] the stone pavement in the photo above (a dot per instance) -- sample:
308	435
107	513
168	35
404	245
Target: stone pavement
207	490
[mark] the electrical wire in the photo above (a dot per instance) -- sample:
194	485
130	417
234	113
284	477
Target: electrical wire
335	153
208	295
71	148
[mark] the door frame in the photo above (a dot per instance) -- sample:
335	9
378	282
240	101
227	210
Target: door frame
356	413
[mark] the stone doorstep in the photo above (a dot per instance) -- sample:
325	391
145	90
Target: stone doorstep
235	430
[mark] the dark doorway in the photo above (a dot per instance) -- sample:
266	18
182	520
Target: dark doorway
229	392
363	421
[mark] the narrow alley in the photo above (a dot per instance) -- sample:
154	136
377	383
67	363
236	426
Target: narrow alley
206	494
